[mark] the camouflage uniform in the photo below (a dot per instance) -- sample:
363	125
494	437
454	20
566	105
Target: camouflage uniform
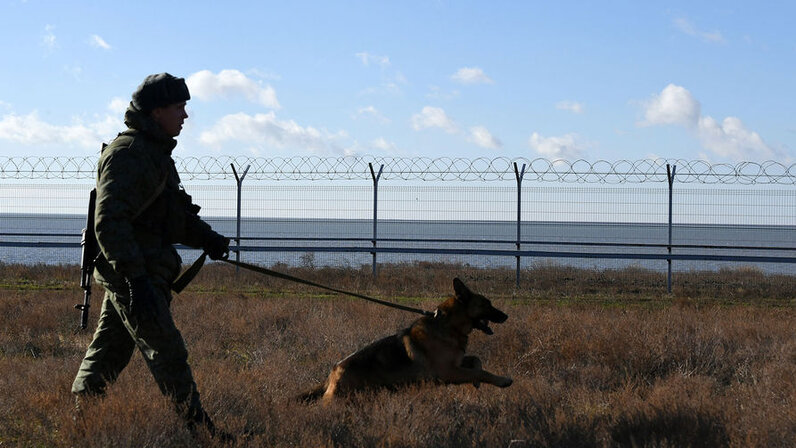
137	242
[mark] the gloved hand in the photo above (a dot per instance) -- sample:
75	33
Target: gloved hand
217	246
143	298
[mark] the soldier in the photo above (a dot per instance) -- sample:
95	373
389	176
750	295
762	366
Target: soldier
141	212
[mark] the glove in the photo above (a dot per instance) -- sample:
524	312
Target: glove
217	246
143	299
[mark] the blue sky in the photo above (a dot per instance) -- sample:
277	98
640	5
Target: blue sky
593	80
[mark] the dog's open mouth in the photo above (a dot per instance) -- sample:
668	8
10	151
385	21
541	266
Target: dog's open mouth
483	325
495	316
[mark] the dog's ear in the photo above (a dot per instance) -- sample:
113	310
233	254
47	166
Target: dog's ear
462	292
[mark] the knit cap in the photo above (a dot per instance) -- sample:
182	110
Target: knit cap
160	90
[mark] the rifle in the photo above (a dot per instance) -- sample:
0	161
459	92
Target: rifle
90	251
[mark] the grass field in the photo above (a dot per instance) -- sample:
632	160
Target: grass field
598	358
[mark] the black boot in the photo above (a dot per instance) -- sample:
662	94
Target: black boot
202	420
82	401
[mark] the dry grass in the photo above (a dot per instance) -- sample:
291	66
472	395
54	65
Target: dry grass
599	359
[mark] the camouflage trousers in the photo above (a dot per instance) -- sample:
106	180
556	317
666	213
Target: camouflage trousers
118	334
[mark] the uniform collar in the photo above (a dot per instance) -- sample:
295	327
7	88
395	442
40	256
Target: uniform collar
141	122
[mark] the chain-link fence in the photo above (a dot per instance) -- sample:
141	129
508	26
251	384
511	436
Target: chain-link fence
351	211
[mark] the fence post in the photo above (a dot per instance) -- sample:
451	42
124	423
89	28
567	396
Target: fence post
375	208
670	170
239	181
518	174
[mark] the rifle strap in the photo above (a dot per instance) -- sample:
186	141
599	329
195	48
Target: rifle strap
182	281
158	190
147	203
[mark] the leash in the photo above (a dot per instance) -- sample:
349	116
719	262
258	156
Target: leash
182	281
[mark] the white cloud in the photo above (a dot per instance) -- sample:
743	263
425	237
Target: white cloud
118	105
686	27
383	145
208	86
391	80
30	130
75	71
674	105
565	147
483	138
729	138
367	59
435	93
371	112
399	78
387	87
471	75
267	129
433	117
49	40
572	106
98	42
264	74
732	140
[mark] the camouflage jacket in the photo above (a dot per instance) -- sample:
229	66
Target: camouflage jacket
135	225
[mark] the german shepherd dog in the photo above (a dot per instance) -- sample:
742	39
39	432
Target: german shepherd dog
431	349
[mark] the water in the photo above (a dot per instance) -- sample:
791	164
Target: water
546	236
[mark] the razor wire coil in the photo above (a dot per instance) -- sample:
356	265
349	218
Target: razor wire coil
427	169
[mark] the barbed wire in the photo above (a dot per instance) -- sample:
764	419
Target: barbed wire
426	169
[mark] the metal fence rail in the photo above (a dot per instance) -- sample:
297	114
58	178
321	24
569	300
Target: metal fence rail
482	211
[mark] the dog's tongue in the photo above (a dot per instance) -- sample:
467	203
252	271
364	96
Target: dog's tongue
482	325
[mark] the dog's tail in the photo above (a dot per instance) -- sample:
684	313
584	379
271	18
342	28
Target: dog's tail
313	395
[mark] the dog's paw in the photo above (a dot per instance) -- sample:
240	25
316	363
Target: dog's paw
476	384
504	382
